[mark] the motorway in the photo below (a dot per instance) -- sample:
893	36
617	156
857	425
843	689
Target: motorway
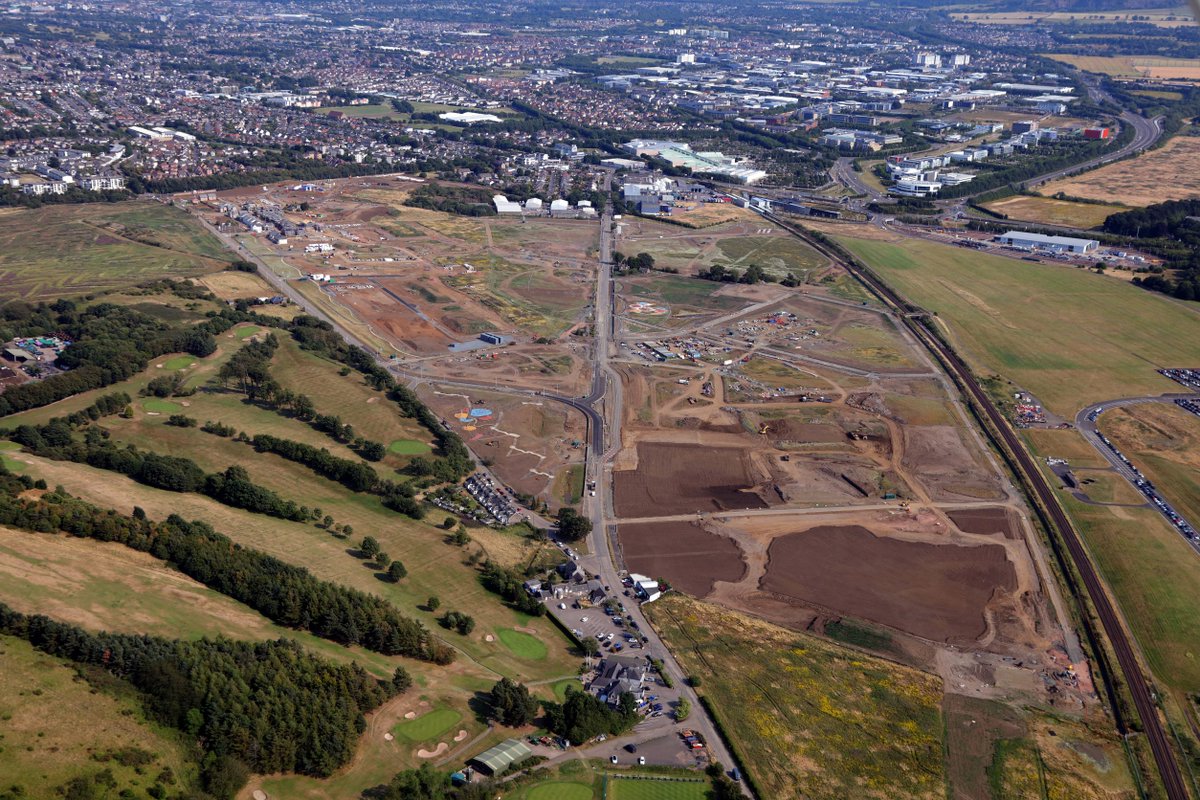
1008	442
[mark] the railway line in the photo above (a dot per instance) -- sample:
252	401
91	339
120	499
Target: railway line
1126	657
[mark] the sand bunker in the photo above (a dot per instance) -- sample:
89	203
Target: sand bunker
458	737
938	592
688	556
489	638
387	737
411	715
259	794
435	752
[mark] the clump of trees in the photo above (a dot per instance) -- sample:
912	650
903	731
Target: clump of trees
508	584
511	704
583	716
457	621
572	526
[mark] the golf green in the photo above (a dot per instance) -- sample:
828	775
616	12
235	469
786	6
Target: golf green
179	362
158	406
246	330
409	447
521	644
427	727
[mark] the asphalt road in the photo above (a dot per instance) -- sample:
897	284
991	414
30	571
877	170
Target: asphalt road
1086	421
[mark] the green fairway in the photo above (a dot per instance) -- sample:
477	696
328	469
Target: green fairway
71	249
179	362
560	689
522	645
428	727
643	789
409	447
559	790
1069	336
159	406
11	464
246	330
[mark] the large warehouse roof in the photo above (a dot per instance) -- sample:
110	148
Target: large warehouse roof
502	756
1049	241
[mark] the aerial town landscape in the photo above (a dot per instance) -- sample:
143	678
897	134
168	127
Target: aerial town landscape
564	401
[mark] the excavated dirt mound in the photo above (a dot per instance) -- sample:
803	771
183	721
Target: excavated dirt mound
685	478
688	556
984	520
939	592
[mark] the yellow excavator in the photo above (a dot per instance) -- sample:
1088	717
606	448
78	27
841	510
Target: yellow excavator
763	429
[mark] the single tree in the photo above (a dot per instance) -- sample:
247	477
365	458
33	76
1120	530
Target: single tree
433	603
396	572
369	547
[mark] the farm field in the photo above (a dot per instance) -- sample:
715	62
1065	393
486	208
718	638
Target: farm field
1170	172
63	250
807	717
1135	66
45	746
1054	212
1069	337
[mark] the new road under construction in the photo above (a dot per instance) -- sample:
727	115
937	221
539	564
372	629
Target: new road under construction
1065	539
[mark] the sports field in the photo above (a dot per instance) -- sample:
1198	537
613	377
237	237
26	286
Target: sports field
62	250
643	789
1071	337
809	718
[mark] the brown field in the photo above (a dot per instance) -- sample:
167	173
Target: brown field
935	592
1171	172
390	319
985	520
688	556
947	466
683	478
528	441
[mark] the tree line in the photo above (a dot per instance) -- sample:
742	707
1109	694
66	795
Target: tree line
233	487
287	595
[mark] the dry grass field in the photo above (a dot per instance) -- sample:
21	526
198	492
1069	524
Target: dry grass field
1054	212
1172	172
1135	66
1161	17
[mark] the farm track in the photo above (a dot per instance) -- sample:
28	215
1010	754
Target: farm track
1110	620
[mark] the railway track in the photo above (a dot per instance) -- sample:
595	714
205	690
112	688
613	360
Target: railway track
918	323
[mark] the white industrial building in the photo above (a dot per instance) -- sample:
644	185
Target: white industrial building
506	206
1037	241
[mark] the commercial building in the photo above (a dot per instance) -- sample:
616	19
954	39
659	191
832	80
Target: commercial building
680	154
1037	241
